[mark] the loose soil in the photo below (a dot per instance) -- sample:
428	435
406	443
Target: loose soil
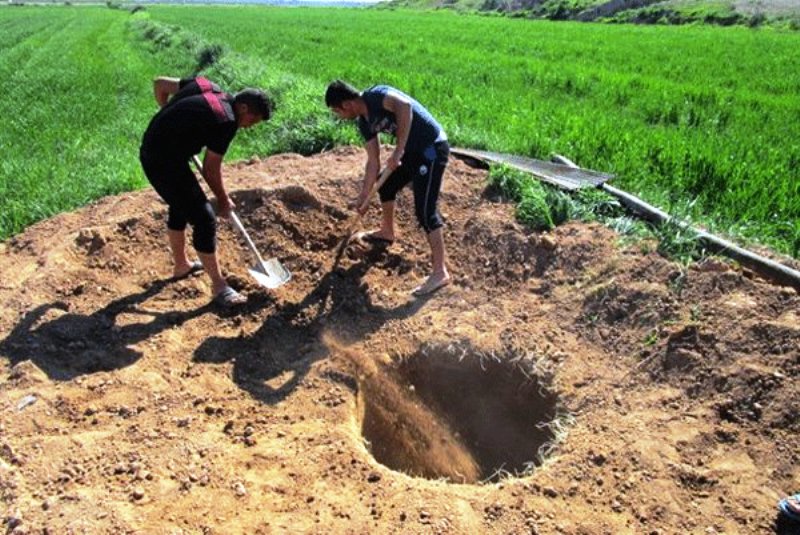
661	400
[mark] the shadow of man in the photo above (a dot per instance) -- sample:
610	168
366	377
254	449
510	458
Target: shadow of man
66	345
786	526
271	363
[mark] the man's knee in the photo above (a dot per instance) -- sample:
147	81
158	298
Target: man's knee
396	181
204	237
385	197
175	219
430	222
387	193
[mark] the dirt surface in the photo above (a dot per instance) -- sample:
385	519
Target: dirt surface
664	400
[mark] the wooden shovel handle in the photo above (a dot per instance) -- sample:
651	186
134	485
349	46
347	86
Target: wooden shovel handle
382	178
237	224
199	166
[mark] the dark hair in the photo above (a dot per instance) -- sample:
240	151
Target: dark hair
256	101
338	92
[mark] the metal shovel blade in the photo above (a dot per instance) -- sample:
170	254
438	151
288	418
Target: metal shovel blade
270	274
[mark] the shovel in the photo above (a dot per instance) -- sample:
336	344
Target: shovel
270	274
356	219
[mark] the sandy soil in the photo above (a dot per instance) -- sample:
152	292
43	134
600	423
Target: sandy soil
665	401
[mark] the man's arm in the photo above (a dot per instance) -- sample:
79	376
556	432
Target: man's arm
401	108
370	172
163	88
212	172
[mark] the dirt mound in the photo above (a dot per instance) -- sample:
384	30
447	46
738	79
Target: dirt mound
564	383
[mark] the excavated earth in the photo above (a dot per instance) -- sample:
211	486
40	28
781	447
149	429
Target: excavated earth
566	382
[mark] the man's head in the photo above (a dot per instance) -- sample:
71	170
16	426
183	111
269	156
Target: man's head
252	106
342	99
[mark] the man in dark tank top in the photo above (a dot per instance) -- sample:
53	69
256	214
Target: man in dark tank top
419	158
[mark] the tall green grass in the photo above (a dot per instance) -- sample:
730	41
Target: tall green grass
689	116
701	115
542	206
301	122
76	95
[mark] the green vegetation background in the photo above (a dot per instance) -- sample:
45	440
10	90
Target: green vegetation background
699	120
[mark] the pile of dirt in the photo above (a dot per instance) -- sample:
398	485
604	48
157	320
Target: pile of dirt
647	398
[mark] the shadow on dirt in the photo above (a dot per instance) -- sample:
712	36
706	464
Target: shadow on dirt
272	362
66	345
785	526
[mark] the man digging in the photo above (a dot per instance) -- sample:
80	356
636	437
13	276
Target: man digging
198	114
420	157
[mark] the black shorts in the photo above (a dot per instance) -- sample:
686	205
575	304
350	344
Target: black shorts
175	182
424	171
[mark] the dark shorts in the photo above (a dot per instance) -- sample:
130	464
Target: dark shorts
175	182
424	171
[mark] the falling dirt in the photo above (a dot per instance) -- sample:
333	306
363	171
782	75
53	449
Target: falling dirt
566	382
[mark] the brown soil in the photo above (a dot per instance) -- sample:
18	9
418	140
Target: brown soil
664	400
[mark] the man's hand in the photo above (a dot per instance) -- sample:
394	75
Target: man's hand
225	205
163	88
395	160
361	203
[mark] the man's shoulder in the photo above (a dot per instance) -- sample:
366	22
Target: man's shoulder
380	89
374	96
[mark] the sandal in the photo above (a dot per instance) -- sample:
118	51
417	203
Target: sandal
430	286
790	506
373	239
229	297
194	267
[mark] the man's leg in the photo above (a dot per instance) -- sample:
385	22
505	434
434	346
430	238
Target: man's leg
388	193
211	267
161	177
438	256
177	244
387	231
439	276
204	238
201	216
427	186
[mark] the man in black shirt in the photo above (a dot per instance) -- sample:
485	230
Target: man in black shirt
198	114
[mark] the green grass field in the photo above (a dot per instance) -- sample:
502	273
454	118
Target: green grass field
74	90
699	120
782	14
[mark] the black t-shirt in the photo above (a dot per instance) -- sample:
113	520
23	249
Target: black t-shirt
198	115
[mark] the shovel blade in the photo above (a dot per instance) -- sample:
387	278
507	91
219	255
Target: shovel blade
270	274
